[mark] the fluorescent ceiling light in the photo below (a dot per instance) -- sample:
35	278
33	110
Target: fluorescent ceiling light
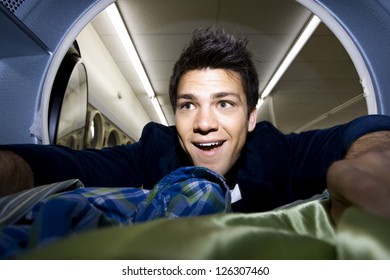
259	103
158	109
297	47
127	43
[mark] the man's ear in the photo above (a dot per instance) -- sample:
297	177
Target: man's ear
252	120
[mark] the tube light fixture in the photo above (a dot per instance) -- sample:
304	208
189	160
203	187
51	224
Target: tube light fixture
259	103
288	59
127	43
158	109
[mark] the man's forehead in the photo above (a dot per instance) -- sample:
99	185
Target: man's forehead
213	73
213	81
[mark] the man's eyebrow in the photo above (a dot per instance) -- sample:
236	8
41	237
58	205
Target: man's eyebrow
223	94
187	96
217	95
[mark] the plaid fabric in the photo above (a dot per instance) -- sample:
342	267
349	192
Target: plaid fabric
189	191
13	207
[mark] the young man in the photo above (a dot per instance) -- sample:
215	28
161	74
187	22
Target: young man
214	91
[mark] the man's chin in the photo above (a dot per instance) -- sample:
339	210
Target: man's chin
214	168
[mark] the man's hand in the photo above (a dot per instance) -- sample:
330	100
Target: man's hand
362	181
15	173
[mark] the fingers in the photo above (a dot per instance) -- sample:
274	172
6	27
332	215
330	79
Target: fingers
363	182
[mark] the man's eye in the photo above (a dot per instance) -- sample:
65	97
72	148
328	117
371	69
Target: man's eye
225	104
186	106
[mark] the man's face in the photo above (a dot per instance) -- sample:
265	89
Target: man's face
212	117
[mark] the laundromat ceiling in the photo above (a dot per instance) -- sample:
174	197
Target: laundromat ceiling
319	89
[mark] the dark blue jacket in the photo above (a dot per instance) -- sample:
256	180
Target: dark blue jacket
274	169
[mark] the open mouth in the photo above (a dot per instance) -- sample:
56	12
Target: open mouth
209	146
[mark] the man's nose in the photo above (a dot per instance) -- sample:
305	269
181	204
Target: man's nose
205	121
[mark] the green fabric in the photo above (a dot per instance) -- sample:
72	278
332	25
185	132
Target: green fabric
299	232
361	235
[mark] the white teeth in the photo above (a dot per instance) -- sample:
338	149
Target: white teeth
209	144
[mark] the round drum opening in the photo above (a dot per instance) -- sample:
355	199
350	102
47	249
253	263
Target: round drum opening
113	138
95	132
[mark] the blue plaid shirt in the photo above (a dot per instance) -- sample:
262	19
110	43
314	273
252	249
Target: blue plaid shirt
43	215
